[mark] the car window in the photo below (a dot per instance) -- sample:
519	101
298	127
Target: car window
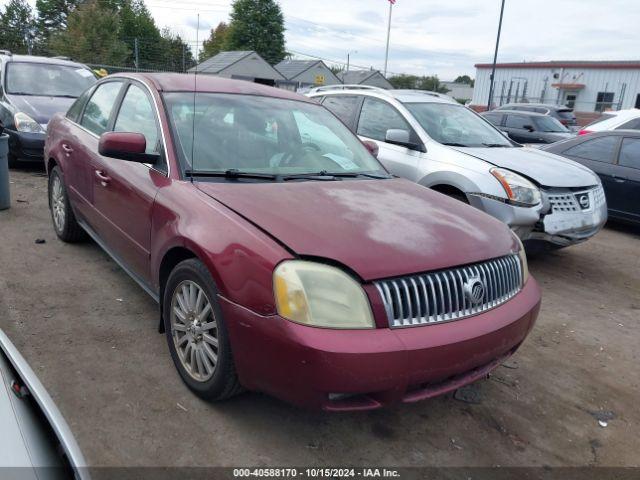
630	153
566	114
494	118
76	109
544	111
630	125
98	110
377	117
50	80
343	106
597	149
518	121
137	115
549	124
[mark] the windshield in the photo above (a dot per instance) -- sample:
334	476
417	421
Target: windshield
47	80
452	124
266	135
549	124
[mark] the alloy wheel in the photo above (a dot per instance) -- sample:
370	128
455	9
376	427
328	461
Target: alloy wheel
194	330
58	206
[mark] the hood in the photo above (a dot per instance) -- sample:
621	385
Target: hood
41	109
377	228
544	168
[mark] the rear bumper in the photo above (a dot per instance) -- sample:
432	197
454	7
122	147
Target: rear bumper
366	369
26	146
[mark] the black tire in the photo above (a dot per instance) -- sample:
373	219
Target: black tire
224	382
69	231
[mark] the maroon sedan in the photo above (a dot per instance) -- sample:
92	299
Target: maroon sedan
284	257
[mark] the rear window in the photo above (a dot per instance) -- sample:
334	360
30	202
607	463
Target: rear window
566	114
598	149
601	118
630	125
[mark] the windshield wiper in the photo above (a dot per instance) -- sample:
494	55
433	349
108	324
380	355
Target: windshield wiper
496	145
324	176
454	144
231	173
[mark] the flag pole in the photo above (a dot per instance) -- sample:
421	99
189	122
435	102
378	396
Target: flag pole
386	55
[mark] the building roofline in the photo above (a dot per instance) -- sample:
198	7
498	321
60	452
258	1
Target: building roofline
626	64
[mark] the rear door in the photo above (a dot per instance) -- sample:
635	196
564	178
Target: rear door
627	179
81	147
124	192
378	116
599	154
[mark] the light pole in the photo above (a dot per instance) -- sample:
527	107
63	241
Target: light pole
349	58
495	59
386	54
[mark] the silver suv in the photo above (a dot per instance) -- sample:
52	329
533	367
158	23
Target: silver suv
431	139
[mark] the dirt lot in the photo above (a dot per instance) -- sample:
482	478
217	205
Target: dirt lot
91	334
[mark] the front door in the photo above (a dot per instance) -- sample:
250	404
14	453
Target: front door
124	192
378	116
626	192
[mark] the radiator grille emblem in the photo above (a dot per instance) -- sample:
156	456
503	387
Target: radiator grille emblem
474	290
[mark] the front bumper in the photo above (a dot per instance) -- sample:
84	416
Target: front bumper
26	146
367	369
522	220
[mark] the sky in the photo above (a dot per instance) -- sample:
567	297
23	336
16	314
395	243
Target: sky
442	37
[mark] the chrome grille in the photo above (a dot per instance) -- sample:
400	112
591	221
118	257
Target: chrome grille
443	296
567	201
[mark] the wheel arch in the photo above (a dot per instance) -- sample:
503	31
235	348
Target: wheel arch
170	259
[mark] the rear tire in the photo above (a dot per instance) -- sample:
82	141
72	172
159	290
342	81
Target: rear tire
64	220
196	332
12	160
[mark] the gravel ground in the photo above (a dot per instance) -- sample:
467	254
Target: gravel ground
90	333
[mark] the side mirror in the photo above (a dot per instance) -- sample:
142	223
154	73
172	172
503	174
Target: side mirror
396	136
529	128
372	147
126	146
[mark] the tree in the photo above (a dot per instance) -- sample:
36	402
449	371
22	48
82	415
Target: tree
92	36
257	25
178	57
432	84
52	17
139	32
213	45
17	27
466	79
404	81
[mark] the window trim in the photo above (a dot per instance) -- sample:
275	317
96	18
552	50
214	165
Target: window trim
615	152
84	107
619	152
356	114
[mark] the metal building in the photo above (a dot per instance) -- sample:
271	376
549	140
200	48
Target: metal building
365	77
307	73
240	65
588	87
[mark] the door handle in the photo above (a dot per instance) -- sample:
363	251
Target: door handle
67	149
618	179
104	178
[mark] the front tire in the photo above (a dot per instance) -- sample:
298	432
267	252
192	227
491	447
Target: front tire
64	221
196	332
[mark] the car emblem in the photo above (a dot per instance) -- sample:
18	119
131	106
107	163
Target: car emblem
474	290
583	200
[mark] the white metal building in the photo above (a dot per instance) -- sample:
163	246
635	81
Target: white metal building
589	86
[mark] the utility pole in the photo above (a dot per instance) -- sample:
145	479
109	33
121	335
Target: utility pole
349	58
136	56
184	58
386	55
495	59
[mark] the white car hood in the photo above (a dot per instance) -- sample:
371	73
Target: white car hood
544	168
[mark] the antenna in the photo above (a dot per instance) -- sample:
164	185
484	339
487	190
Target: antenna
195	85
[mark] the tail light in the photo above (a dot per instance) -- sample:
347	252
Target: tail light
584	132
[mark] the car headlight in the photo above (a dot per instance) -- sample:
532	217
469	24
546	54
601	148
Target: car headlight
24	123
523	260
518	189
320	295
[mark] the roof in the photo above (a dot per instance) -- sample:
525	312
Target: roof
292	68
219	62
357	76
36	59
550	106
606	64
514	112
404	96
184	82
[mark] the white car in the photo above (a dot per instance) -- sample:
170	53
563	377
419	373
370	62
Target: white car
615	120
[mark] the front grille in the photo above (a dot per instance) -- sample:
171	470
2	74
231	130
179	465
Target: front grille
567	201
447	295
